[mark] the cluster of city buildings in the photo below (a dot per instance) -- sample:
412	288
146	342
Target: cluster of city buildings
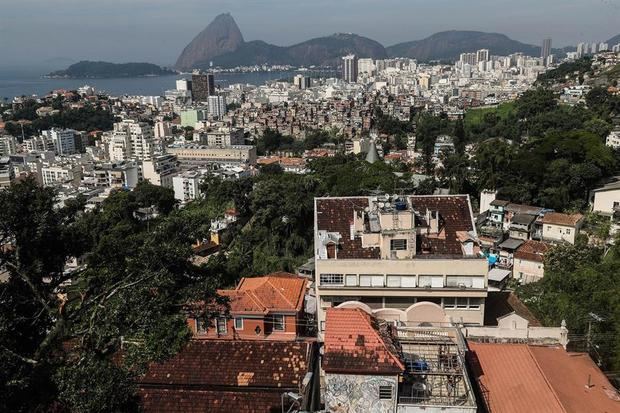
395	313
403	306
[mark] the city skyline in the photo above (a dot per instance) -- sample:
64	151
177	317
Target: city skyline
158	34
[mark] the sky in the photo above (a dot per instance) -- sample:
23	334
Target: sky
37	32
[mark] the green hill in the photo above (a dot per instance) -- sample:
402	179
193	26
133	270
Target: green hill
97	70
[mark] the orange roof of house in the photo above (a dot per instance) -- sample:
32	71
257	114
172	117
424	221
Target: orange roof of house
522	378
568	374
557	218
532	251
279	291
355	344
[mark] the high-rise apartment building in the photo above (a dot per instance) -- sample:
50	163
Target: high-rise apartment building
582	49
131	140
349	68
366	66
203	86
545	50
482	55
217	106
301	81
63	140
8	145
469	58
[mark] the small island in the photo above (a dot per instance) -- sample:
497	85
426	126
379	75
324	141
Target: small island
101	70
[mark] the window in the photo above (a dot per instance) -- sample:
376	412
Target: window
431	281
461	303
221	326
567	231
201	326
278	322
385	392
393	280
474	303
331	279
398	244
238	323
322	326
459	281
548	227
405	281
449	302
371	280
351	280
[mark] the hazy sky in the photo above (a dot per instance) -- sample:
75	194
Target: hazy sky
33	31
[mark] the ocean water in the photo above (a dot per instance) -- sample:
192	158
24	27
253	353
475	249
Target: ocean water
29	82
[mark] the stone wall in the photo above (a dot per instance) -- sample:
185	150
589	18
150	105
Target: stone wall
345	393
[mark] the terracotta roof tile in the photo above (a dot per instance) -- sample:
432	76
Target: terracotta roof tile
204	363
336	215
274	292
522	378
568	374
557	218
532	251
510	380
456	215
354	344
156	400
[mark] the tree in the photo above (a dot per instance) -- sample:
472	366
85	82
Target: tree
579	281
59	330
459	137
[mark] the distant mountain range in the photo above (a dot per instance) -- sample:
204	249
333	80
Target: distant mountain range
222	44
614	41
97	70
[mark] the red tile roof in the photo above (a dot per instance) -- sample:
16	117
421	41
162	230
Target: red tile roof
456	215
532	251
521	378
510	379
568	374
557	218
336	215
281	292
155	400
246	363
355	344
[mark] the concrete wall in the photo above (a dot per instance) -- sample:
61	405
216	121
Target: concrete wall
604	201
476	268
528	271
553	232
347	393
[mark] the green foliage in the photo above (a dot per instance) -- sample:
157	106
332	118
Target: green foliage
574	69
273	141
275	229
58	340
87	118
88	69
580	281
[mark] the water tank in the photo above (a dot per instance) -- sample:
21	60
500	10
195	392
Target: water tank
400	205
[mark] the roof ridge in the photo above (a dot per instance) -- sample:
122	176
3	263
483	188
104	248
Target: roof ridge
253	297
542	372
279	292
369	319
